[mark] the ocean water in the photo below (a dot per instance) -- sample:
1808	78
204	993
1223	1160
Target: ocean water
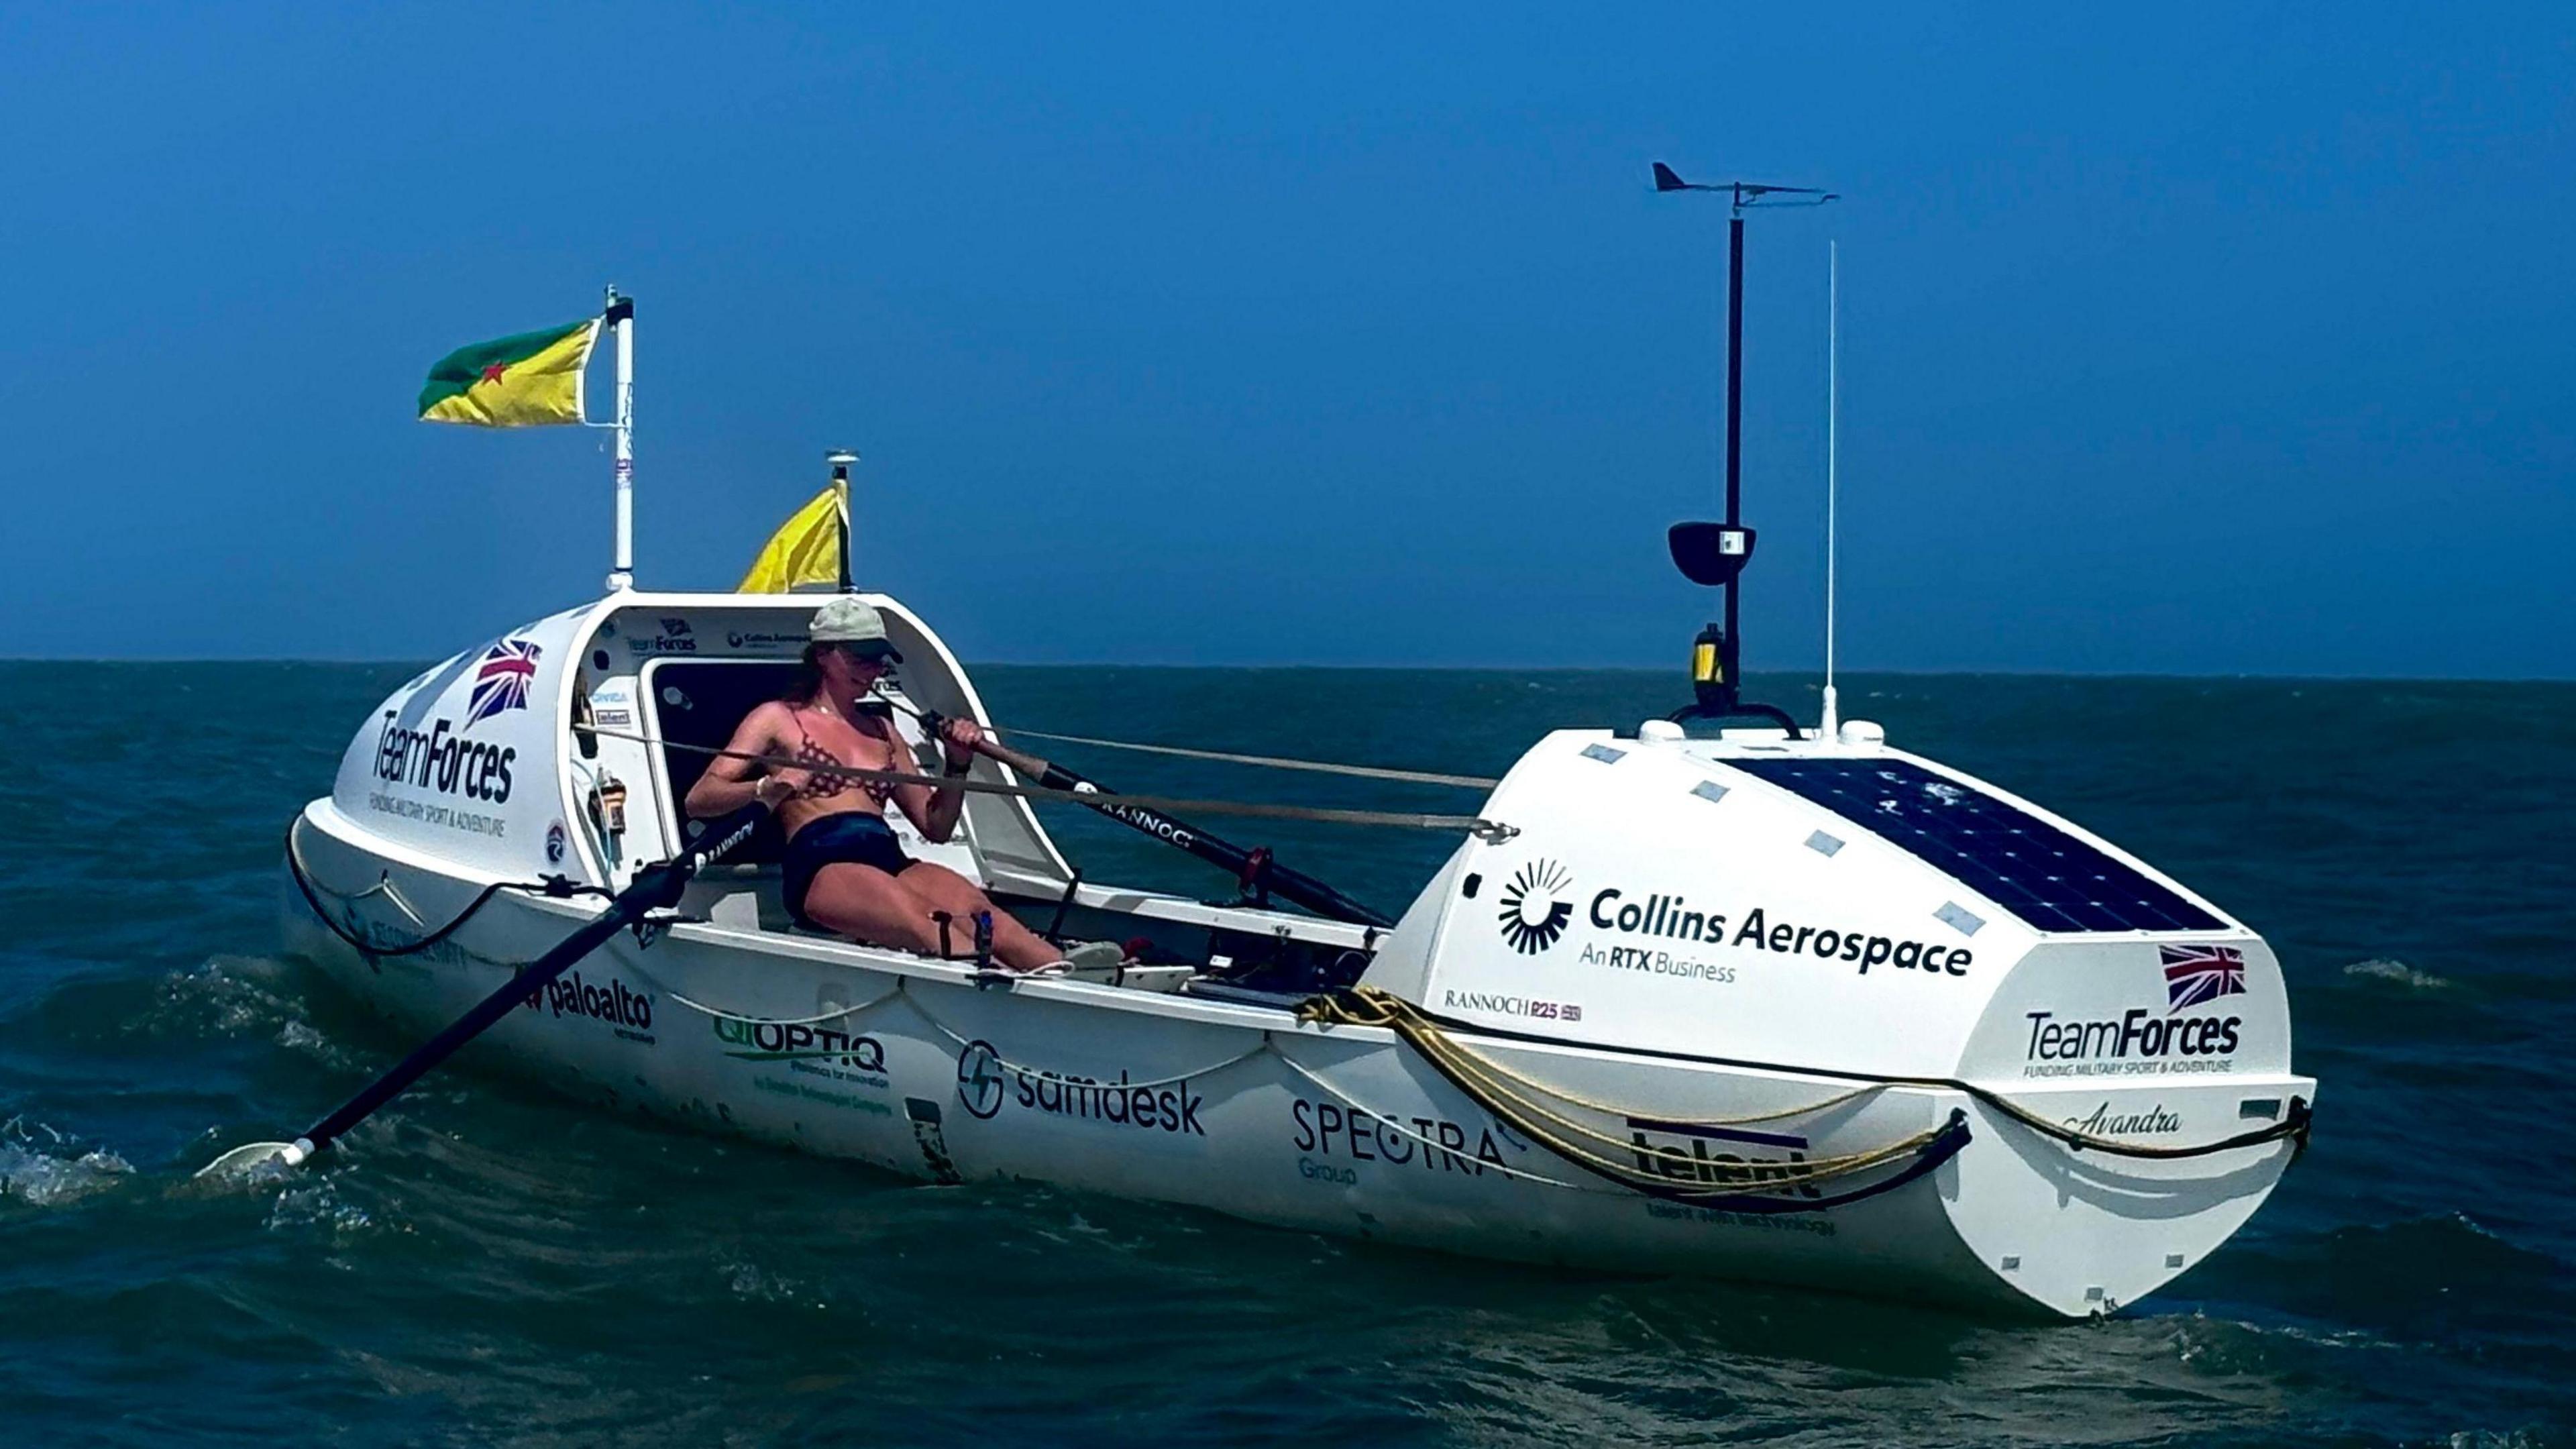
484	1264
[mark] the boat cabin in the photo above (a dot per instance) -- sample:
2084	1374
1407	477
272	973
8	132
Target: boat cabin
629	693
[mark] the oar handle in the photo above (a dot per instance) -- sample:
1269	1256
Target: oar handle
1019	760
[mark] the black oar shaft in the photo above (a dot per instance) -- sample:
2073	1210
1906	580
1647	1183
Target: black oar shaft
490	1009
654	886
1291	885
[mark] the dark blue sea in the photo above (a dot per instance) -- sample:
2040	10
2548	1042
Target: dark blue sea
485	1265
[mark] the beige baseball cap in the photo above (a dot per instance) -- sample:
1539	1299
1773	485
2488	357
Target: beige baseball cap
855	622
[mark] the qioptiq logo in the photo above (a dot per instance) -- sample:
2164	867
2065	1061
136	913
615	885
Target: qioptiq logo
1536	906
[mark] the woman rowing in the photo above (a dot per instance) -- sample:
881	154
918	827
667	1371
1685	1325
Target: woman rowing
843	870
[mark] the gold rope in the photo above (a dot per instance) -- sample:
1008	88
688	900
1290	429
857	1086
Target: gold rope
1496	1089
1371	1006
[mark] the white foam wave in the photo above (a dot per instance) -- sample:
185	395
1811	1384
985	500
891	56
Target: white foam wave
44	1167
227	996
747	1280
316	1204
2397	973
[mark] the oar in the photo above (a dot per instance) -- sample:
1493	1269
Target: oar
655	887
1296	886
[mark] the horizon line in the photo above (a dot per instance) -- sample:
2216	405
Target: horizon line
1814	674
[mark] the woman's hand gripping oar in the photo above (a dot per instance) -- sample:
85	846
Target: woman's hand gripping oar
655	887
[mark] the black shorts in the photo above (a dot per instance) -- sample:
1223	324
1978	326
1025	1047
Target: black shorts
852	837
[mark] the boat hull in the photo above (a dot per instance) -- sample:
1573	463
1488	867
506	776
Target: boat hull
909	1066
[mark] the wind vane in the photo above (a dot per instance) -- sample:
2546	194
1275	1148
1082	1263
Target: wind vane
1747	193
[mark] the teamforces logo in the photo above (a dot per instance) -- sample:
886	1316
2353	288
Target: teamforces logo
2141	1042
440	758
676	637
1536	906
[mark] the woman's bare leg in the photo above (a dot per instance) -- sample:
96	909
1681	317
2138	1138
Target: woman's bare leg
866	904
1014	945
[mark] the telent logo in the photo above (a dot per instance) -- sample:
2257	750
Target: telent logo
1536	906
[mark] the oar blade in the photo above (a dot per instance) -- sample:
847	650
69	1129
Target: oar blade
253	1158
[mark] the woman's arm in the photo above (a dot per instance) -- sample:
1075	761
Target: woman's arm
935	812
729	784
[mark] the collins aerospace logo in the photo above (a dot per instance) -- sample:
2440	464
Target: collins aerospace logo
1536	906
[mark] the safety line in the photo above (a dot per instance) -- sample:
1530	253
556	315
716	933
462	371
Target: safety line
1402	820
966	1042
720	1014
1274	762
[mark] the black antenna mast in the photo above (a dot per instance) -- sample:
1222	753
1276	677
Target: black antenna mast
1714	554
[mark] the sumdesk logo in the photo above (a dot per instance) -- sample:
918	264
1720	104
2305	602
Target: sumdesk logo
985	1081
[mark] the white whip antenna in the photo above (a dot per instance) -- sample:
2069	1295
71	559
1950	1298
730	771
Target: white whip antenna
1831	728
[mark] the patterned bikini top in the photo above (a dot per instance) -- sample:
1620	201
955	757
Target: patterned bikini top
826	779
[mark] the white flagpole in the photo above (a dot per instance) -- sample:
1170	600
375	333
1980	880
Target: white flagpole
621	315
1833	448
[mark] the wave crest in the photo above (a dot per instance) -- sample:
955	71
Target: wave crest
2398	973
46	1168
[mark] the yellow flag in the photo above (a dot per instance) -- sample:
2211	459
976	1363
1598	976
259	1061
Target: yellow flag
806	549
530	380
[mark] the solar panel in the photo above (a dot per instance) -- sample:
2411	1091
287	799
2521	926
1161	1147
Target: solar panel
2026	865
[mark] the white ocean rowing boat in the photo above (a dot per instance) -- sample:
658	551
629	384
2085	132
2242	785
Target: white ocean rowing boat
1761	1004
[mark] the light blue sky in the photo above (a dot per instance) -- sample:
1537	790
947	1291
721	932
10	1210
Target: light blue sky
2231	339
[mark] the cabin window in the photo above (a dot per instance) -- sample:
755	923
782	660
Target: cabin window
701	703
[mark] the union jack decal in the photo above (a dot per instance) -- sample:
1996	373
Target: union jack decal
2194	974
502	681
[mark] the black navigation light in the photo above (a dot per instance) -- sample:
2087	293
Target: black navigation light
1710	553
